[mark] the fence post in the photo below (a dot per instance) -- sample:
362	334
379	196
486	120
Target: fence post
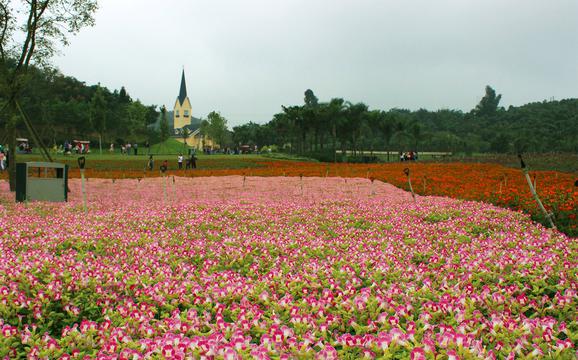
81	163
406	171
536	197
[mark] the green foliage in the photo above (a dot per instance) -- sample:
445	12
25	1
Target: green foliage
98	111
324	127
169	146
488	106
215	127
164	126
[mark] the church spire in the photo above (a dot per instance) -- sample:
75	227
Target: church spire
183	91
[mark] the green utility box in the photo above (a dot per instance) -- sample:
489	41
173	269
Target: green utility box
42	181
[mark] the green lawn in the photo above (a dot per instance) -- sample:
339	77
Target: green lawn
170	146
130	162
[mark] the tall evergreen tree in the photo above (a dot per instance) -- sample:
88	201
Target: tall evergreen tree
164	125
488	106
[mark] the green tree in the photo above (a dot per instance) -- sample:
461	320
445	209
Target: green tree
336	117
294	116
136	119
98	114
488	106
215	127
44	24
310	98
313	118
501	143
416	133
356	115
164	124
247	134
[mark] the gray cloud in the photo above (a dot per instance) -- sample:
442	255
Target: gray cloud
247	58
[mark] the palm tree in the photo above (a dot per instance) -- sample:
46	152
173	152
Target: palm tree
386	126
335	114
356	115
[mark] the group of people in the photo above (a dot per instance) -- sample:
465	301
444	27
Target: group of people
191	162
68	148
408	156
125	149
24	148
128	148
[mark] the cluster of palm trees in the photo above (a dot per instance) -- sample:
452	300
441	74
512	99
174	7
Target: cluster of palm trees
341	125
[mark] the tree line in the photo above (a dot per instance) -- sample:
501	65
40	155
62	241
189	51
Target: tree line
321	128
62	107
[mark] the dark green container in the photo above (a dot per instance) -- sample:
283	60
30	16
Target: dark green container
42	181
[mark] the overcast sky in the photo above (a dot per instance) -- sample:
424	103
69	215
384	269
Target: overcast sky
246	58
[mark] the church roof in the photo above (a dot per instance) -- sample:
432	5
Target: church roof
183	90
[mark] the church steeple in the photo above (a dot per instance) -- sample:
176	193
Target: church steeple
183	91
182	110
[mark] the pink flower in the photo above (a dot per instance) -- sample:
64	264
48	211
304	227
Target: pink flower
417	354
452	355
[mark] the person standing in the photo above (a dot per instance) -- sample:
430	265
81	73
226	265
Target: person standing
128	146
135	147
193	161
151	163
2	159
180	161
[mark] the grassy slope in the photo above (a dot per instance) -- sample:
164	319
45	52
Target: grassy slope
170	146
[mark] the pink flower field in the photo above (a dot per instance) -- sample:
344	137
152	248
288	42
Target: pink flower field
280	268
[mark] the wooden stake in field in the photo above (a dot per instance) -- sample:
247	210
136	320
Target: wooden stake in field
81	163
163	169
424	184
406	172
174	190
372	189
301	177
547	214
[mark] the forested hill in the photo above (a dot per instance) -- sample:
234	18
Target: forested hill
62	107
535	127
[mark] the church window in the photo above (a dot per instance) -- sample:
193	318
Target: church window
186	113
176	113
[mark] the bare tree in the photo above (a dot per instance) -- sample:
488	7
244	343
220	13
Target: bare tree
30	31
